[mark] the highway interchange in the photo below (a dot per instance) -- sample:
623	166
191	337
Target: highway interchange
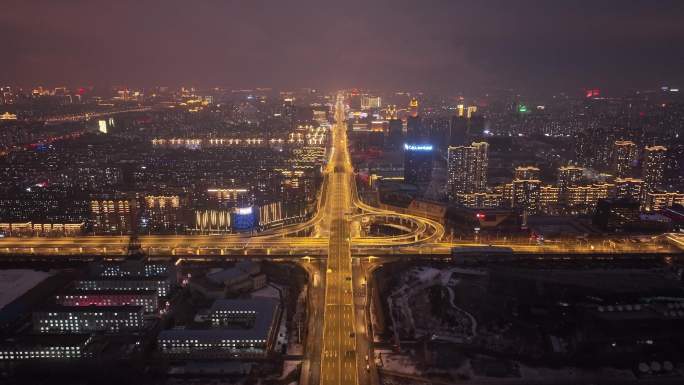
339	353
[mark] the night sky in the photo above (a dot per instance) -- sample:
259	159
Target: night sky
421	44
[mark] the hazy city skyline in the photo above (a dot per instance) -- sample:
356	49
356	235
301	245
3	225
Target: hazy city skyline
451	46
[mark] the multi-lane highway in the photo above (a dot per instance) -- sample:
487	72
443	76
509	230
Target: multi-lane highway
339	358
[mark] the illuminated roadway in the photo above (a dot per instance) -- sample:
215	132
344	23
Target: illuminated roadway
339	357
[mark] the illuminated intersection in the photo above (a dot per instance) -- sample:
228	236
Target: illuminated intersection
339	342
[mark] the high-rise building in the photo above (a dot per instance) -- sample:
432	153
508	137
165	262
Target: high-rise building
624	155
583	199
629	188
569	176
525	195
654	167
548	198
526	172
458	131
467	169
414	129
470	111
417	164
395	137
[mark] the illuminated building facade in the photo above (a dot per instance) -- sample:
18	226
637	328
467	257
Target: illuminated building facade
548	198
629	188
525	195
210	221
162	213
653	167
76	319
583	199
112	215
658	200
480	200
467	169
161	284
526	173
145	298
41	229
44	348
418	164
240	328
625	154
569	176
370	102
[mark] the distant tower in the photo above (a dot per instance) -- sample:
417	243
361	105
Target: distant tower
413	107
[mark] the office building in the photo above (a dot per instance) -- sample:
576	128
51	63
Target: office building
245	276
161	284
148	299
77	319
24	348
130	268
418	164
240	329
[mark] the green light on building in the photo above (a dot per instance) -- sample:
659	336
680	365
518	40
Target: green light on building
522	108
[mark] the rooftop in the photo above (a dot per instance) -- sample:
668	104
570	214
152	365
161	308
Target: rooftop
265	309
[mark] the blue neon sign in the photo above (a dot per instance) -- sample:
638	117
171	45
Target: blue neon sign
417	147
